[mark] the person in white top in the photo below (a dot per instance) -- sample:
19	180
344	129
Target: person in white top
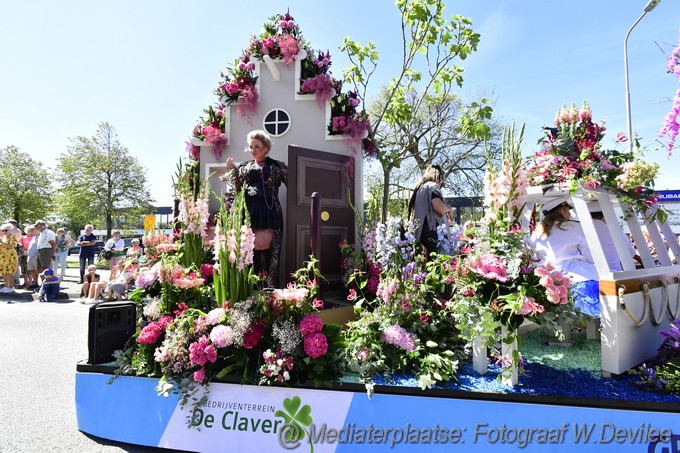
46	246
563	243
115	245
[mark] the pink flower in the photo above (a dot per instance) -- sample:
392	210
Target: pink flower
214	316
491	267
267	43
181	308
621	137
310	324
202	351
199	375
289	48
217	141
193	150
247	102
352	295
207	271
222	336
556	283
231	88
150	334
317	304
292	294
363	354
165	321
188	282
530	307
316	345
398	336
166	247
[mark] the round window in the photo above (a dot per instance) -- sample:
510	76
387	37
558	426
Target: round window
276	122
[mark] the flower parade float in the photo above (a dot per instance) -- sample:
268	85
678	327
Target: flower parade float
447	353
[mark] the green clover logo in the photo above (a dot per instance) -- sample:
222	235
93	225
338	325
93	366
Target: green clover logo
296	417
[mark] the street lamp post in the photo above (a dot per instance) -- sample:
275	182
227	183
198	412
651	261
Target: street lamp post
650	6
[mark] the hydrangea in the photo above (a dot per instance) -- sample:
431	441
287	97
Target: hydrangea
215	316
316	345
164	321
150	334
310	324
222	336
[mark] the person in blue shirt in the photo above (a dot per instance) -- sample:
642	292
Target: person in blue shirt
86	242
50	286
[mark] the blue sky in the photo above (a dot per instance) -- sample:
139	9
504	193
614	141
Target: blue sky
149	68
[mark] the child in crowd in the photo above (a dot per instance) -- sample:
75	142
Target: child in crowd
120	279
50	286
89	279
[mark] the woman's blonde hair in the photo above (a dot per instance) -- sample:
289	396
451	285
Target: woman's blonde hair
433	173
261	136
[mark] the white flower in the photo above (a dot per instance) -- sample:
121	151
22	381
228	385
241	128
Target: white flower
426	381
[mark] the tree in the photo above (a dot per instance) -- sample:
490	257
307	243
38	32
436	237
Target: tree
25	187
434	135
430	45
100	179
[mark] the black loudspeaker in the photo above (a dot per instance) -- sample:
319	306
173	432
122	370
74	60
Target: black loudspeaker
111	324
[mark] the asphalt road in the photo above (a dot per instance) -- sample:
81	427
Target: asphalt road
40	344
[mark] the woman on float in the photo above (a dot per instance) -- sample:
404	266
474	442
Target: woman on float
428	209
261	178
563	243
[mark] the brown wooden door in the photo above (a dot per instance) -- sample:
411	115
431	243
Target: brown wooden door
312	171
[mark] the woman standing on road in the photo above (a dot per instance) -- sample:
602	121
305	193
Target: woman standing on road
115	245
61	252
8	257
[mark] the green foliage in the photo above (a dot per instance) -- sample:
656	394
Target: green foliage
99	180
296	416
25	187
432	43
